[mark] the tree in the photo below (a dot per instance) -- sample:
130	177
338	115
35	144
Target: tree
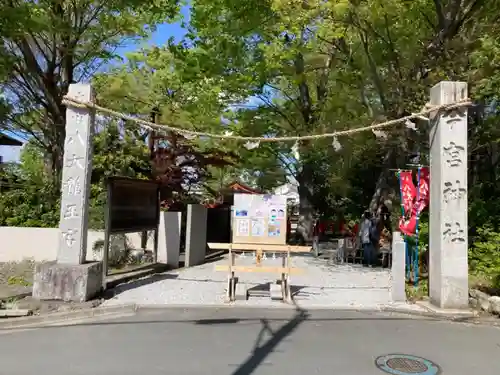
55	43
25	198
278	61
169	81
324	66
26	193
118	150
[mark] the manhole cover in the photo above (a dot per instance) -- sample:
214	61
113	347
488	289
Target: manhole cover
402	364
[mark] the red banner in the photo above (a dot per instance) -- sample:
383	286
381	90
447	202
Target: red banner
407	227
423	192
408	190
408	223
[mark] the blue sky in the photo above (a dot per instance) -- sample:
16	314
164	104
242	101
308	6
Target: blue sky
160	37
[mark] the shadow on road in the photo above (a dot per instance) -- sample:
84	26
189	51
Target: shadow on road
260	352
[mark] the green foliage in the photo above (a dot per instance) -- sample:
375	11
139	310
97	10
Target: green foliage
119	250
18	281
423	234
118	151
27	196
173	80
47	45
419	292
484	255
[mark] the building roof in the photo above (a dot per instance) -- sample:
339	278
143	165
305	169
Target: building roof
238	187
5	140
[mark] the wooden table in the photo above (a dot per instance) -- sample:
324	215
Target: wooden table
286	269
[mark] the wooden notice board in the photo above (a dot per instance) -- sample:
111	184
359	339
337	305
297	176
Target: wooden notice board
259	219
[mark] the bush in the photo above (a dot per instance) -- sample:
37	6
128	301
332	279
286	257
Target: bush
484	255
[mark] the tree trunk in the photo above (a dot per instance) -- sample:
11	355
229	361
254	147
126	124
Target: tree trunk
306	208
387	188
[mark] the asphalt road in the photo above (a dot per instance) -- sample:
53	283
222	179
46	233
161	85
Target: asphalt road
253	341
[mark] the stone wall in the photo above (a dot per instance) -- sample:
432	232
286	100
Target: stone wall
40	244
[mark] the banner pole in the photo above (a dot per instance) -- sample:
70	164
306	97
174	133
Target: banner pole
415	260
407	265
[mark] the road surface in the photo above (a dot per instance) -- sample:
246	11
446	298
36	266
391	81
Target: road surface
253	341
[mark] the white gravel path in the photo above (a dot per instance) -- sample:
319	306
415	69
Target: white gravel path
320	286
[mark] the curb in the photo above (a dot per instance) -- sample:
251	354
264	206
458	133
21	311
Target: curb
368	309
110	311
60	317
430	314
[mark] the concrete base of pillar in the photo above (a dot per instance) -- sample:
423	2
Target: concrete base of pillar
67	282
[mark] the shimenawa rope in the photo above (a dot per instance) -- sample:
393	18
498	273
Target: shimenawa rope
428	109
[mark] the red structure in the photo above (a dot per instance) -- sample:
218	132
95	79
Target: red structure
219	213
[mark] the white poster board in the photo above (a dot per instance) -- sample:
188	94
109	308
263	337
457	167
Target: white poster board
259	218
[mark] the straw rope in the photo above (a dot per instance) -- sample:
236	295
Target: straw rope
428	109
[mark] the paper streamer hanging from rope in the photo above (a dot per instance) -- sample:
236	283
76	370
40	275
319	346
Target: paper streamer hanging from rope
336	144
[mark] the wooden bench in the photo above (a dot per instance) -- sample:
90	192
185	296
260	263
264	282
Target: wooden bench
282	288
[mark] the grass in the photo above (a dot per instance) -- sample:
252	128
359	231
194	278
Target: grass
487	284
18	280
419	292
16	274
481	282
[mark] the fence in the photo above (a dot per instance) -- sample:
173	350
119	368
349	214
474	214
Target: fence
41	244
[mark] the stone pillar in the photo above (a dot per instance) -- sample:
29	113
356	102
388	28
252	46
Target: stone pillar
448	274
398	272
169	238
70	278
196	235
75	186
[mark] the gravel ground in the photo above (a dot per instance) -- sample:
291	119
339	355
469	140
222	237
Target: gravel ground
20	275
320	286
21	270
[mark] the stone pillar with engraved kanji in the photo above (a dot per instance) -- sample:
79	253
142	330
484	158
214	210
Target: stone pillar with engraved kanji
75	186
70	277
448	266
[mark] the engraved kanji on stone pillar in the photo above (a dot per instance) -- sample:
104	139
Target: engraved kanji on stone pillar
448	273
75	185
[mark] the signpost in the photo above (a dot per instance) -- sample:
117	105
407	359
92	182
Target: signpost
133	205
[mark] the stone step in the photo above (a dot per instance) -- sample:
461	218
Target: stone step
258	293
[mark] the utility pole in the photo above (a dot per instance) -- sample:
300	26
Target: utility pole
152	134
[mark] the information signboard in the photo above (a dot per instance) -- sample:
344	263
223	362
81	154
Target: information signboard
133	205
259	218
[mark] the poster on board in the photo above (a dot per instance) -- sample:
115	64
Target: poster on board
258	225
273	228
266	215
242	227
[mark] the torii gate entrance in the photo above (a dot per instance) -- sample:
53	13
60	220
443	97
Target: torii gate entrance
76	280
